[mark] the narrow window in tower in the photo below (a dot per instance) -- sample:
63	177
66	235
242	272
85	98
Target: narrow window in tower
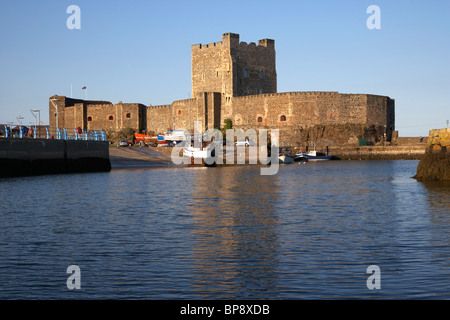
283	118
260	90
259	119
261	74
128	115
110	118
89	118
245	73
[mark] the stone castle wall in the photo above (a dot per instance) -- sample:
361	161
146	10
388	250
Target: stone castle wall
66	112
114	116
73	113
299	109
181	114
327	118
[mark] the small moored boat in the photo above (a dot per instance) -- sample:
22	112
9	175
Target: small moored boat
205	155
285	159
312	156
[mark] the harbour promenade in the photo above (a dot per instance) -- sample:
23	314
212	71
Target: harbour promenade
61	151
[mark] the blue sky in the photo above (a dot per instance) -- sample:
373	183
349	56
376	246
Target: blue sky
139	51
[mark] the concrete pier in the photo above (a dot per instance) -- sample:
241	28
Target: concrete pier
378	152
23	157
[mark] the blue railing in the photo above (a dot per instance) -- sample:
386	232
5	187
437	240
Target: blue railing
44	132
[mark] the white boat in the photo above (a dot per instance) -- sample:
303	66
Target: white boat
311	156
175	135
199	153
192	152
285	159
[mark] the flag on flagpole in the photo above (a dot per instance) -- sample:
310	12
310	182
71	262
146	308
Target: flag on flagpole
42	122
84	88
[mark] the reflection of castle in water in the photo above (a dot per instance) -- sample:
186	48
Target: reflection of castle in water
240	229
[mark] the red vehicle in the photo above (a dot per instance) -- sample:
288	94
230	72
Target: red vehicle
143	139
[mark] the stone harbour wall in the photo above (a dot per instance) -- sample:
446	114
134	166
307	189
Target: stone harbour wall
25	157
435	165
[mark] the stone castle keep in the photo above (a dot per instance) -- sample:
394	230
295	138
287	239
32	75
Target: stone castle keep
238	81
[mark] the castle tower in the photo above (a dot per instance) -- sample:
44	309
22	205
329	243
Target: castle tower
234	68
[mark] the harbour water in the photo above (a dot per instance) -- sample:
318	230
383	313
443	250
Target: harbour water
308	232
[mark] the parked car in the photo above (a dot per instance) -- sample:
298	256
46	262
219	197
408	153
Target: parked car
245	142
123	143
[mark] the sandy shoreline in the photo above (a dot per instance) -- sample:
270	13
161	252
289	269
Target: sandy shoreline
135	157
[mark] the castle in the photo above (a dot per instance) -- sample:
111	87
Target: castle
238	81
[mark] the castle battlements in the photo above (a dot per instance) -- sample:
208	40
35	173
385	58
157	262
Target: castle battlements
233	39
207	46
159	106
184	101
100	105
262	45
292	93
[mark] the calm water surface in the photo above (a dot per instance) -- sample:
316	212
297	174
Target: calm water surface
309	232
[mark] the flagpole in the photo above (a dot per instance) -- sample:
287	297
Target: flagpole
71	90
85	88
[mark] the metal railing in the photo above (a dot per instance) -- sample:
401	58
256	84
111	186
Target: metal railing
45	132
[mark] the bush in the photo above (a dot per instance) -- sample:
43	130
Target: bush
122	134
228	124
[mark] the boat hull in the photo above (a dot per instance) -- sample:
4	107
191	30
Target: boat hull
285	159
311	157
199	154
319	158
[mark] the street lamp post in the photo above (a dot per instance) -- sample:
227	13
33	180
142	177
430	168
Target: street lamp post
57	113
20	118
33	112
